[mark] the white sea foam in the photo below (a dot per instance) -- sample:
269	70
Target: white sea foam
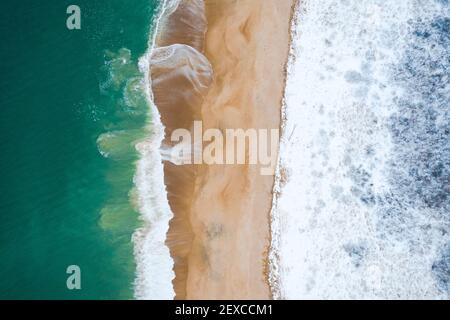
361	206
154	270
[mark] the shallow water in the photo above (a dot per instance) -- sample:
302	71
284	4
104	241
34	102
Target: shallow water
179	77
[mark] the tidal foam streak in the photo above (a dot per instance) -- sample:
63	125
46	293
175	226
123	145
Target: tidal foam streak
154	264
362	205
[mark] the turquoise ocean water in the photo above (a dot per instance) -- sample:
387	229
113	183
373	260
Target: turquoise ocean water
71	111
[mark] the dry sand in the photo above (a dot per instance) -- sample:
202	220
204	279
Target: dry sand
220	232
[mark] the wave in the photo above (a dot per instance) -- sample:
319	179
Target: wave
177	76
362	194
153	262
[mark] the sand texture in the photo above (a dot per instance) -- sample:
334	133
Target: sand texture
230	73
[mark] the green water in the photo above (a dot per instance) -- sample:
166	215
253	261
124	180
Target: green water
61	201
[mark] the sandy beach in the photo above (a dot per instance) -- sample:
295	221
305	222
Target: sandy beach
220	232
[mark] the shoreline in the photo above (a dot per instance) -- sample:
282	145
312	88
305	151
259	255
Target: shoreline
219	237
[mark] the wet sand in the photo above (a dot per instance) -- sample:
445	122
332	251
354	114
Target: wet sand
220	232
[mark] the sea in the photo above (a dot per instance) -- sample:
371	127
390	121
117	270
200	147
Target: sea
75	121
